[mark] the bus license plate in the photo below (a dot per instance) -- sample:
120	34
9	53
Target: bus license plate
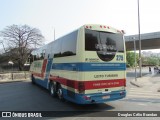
106	97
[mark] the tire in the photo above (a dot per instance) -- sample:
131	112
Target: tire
60	92
52	89
33	79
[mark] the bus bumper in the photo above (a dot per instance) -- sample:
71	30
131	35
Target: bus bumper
97	97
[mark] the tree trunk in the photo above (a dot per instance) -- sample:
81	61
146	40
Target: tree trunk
20	65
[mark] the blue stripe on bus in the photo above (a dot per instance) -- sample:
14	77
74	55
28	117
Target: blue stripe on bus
48	67
42	82
89	66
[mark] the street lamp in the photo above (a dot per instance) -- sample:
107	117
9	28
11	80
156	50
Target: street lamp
140	61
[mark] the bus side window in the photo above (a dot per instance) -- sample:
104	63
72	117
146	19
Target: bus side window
69	44
57	48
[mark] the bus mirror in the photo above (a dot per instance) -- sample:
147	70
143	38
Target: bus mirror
122	31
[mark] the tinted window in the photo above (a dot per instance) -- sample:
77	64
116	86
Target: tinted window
91	39
57	45
37	54
69	43
105	44
49	51
64	46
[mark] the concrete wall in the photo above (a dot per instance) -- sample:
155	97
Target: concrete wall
14	76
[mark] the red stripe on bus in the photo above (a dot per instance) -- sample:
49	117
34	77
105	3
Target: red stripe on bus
37	74
42	71
104	84
59	79
95	84
44	67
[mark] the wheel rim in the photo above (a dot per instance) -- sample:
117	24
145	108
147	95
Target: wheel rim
60	93
52	90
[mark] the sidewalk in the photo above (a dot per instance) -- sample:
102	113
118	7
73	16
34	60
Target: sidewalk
146	80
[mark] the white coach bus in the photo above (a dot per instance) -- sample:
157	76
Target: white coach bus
86	66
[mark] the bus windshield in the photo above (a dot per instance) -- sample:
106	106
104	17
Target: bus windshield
105	43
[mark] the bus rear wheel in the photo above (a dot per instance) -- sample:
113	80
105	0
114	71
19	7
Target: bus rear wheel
60	93
53	91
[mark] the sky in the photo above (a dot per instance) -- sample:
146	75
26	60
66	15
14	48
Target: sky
67	15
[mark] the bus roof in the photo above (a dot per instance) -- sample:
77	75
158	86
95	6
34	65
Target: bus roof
104	28
97	27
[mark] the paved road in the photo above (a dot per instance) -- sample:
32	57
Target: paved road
23	96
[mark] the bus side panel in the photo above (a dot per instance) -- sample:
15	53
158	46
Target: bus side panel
66	67
92	93
43	80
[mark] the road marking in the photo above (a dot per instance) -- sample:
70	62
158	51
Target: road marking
144	96
142	93
142	104
140	90
145	93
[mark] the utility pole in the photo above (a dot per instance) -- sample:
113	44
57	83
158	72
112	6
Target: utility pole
54	35
140	60
135	61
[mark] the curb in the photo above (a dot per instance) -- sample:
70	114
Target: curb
147	75
135	84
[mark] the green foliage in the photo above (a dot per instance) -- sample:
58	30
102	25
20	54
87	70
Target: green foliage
146	61
153	61
130	56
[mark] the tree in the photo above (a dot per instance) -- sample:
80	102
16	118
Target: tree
152	61
130	59
21	40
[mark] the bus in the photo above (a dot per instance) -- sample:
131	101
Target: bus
86	66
